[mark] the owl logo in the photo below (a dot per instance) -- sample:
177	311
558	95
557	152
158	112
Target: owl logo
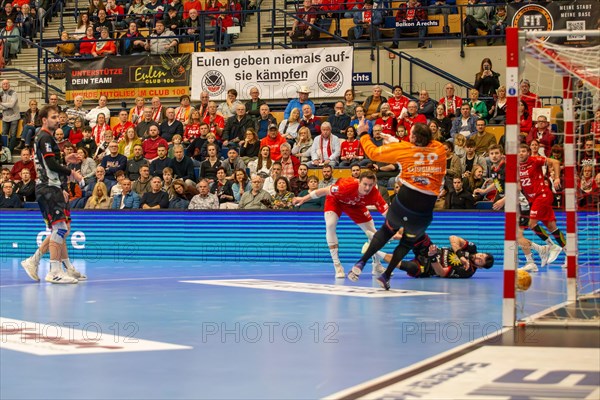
330	79
213	82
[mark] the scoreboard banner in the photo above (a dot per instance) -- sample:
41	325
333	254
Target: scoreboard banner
277	73
128	77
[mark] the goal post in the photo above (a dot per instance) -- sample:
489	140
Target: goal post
554	68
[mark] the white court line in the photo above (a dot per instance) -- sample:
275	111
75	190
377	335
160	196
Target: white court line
394	376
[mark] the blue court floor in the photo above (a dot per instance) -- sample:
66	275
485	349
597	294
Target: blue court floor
301	340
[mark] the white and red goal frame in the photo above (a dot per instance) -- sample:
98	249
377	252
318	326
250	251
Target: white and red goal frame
515	56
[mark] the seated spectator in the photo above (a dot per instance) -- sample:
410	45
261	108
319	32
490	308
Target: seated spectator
497	112
288	162
161	161
168	180
325	149
100	128
215	121
300	182
436	133
240	185
93	9
150	145
339	120
121	128
367	21
465	124
476	22
5	175
372	104
86	44
302	99
192	25
426	105
155	11
99	199
475	180
282	199
407	18
301	30
137	13
558	153
478	107
162	41
28	23
310	121
127	199
269	182
25	187
498	25
208	168
87	166
10	36
459	198
387	120
349	103
65	48
132	43
156	198
222	187
303	145
183	167
472	158
361	117
328	178
204	200
588	189
317	204
101	108
532	99
173	20
102	22
541	132
115	13
398	102
31	123
136	113
190	5
112	163
525	119
105	46
170	125
451	101
181	196
192	130
9	199
588	155
232	163
255	198
453	168
83	21
26	161
236	126
143	183
253	105
411	116
274	141
351	150
487	81
135	163
459	145
75	194
228	108
250	146
263	163
210	139
76	134
263	121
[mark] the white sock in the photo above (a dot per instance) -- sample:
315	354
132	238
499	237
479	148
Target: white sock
68	264
549	241
381	255
529	258
334	254
55	266
37	256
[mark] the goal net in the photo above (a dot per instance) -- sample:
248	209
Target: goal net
562	68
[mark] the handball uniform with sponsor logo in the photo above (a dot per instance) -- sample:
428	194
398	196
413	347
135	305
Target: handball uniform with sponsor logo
344	197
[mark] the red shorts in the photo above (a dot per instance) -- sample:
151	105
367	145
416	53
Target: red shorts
541	208
358	214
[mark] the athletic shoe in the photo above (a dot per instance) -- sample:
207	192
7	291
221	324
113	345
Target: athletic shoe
530	267
60	277
554	252
544	254
383	282
352	276
73	273
31	268
377	268
339	270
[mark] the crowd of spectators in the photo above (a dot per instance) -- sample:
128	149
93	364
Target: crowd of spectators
237	154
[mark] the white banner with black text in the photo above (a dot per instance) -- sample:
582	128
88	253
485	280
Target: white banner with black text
278	74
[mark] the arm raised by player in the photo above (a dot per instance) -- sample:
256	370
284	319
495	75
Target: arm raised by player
315	194
555	165
435	263
458	245
387	153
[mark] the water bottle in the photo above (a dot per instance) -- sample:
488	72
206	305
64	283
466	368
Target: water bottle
430	44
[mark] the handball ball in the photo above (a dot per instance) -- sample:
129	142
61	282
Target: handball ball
523	280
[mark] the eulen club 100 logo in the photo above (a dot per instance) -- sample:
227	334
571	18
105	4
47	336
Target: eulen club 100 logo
213	82
330	79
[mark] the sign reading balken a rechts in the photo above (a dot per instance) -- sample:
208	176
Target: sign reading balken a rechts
277	73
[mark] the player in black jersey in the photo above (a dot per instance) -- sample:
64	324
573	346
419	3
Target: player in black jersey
52	197
460	260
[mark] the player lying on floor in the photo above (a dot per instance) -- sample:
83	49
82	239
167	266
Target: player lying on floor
460	260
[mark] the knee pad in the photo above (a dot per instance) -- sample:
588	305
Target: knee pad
59	232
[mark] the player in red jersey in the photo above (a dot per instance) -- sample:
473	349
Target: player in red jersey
536	189
352	197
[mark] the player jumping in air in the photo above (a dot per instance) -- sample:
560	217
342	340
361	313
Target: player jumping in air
423	167
352	197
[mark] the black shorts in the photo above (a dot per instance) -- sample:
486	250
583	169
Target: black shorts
524	219
414	223
52	204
